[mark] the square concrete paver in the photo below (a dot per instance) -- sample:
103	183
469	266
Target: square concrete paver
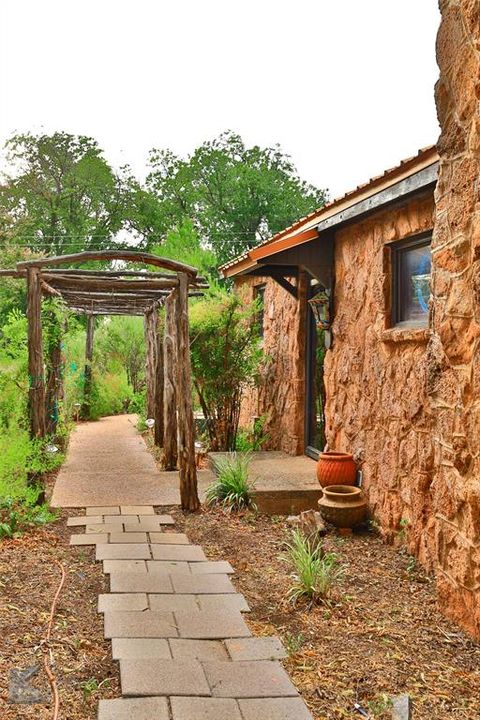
83	520
137	510
146	524
145	624
130	566
120	519
105	529
140	582
103	510
211	625
202	650
191	708
124	537
249	679
274	709
169	603
140	648
170	567
149	708
256	648
219	603
186	553
163	677
202	584
168	538
123	601
87	539
123	551
212	566
165	519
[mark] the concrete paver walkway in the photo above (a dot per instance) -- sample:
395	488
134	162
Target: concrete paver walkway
174	618
177	627
108	459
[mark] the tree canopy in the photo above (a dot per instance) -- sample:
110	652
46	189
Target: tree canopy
235	196
60	195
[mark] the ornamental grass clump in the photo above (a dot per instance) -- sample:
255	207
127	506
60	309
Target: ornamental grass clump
232	487
315	571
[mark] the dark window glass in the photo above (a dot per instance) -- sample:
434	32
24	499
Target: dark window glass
411	278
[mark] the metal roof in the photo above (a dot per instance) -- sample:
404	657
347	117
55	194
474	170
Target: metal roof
300	229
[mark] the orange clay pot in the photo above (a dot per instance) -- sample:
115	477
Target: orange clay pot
336	468
343	506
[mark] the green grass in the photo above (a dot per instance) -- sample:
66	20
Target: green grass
232	487
315	571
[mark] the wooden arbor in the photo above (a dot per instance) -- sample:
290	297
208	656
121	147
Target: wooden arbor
125	292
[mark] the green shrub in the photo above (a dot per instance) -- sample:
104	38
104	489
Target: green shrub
252	440
16	517
225	360
111	394
232	487
315	571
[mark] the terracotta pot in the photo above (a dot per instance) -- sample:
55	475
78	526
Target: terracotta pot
336	468
343	505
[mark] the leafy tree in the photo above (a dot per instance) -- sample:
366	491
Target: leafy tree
121	340
61	195
235	196
183	244
225	355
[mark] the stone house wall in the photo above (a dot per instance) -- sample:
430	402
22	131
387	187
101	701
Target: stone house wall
405	402
375	383
280	395
453	363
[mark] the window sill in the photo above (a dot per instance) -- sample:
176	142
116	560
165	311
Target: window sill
405	334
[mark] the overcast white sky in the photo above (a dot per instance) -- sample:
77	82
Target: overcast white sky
345	86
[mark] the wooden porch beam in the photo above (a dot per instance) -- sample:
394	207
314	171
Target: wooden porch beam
104	255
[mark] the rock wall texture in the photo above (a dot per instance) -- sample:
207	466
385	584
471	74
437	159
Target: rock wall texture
453	361
375	377
280	395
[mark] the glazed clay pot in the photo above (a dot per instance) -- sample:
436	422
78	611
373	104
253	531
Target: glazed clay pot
336	468
343	506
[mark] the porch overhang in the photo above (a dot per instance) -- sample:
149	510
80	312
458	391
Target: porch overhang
308	244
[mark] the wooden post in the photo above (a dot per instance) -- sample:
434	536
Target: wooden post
169	391
150	326
186	441
158	414
54	389
36	395
87	385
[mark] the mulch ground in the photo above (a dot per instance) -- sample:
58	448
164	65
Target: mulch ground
80	658
381	633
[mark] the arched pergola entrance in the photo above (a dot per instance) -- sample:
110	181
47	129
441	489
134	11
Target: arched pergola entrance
125	292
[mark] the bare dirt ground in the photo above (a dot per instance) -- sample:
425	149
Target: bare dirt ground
380	635
80	658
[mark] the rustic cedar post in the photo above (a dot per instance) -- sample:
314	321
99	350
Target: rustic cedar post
169	393
150	322
186	443
158	414
87	386
54	389
36	396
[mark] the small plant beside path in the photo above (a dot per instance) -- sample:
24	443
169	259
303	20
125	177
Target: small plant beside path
315	571
232	487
